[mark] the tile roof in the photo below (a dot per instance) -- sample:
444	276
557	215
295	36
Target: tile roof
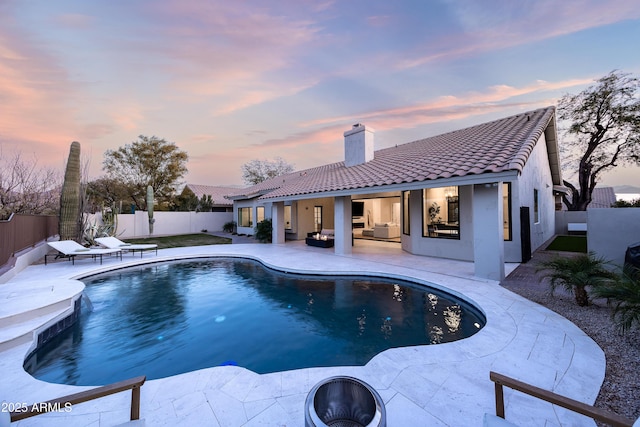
602	197
497	146
218	194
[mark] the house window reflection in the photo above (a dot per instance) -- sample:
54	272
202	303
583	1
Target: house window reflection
245	217
506	210
441	213
259	214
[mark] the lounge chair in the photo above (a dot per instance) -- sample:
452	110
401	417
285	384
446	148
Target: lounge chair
115	243
70	250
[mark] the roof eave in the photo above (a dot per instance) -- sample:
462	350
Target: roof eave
416	185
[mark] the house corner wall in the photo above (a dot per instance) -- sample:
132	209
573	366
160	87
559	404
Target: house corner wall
536	174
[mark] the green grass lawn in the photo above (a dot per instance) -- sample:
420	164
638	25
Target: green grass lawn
197	239
569	244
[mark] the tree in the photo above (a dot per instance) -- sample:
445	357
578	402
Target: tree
186	201
256	171
635	203
106	192
147	161
26	188
603	132
205	204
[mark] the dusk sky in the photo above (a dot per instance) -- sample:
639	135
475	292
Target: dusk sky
233	81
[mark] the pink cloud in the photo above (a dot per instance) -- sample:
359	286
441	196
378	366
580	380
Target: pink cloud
413	115
224	49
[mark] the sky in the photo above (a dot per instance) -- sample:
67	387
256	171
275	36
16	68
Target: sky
233	81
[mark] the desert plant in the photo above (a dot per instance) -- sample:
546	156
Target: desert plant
110	219
229	227
263	231
576	274
205	204
70	207
624	297
150	208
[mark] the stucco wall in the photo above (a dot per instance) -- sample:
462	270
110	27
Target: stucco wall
168	223
611	231
535	175
305	219
565	217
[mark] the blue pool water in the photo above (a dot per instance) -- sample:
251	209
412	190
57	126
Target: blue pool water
164	319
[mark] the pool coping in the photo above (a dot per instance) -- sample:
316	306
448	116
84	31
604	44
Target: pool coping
441	385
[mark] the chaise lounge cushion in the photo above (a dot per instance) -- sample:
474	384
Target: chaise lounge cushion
115	243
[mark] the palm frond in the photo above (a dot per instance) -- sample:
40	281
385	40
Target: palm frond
623	296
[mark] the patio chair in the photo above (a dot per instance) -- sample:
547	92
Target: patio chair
70	250
115	243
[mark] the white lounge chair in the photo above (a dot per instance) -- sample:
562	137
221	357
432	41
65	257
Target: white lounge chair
70	250
115	243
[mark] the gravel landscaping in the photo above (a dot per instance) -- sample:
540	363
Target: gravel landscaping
620	391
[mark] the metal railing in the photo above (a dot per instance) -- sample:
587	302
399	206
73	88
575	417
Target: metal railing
597	414
66	402
23	231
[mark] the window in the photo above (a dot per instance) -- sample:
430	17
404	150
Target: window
406	227
259	214
506	210
287	217
245	217
441	213
317	219
536	206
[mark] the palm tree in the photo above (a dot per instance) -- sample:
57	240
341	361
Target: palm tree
577	273
624	296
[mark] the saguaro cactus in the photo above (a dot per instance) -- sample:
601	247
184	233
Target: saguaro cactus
150	208
70	215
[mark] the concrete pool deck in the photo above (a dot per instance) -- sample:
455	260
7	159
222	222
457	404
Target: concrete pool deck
435	385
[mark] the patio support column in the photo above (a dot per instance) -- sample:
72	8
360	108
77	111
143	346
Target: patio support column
342	224
488	233
277	222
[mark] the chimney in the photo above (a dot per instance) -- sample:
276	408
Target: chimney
358	145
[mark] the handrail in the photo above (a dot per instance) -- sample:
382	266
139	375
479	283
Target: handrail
62	403
598	414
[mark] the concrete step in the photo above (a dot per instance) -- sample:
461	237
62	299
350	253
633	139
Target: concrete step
28	307
23	332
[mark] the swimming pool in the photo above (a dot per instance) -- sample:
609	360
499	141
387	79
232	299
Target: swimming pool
169	318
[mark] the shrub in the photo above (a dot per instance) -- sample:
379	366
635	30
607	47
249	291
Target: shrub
624	296
229	227
576	273
263	231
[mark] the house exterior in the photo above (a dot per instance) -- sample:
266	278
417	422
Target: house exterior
487	193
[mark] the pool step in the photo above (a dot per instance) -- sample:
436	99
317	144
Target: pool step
8	320
28	307
23	332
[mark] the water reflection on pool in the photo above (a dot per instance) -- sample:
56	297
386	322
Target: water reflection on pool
169	318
